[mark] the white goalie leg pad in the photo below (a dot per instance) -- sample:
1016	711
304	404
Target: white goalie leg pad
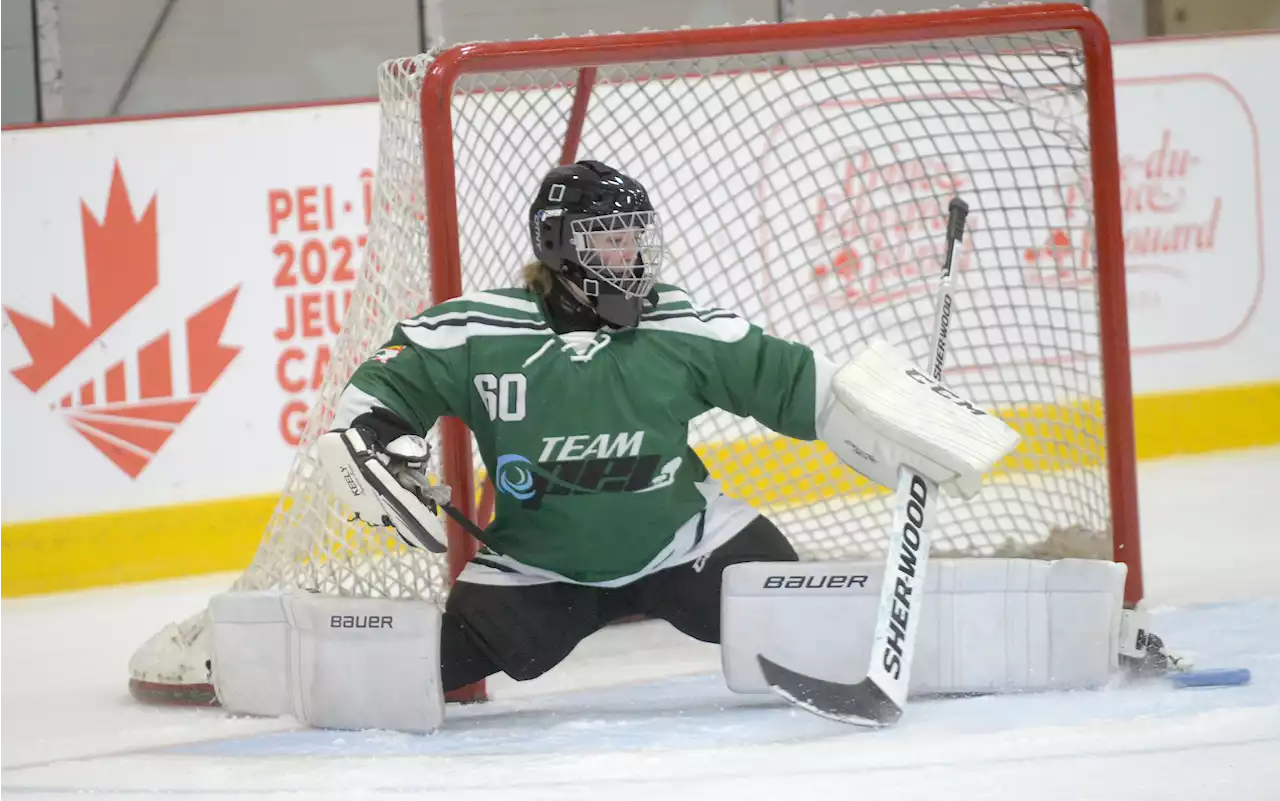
365	663
884	412
986	625
331	662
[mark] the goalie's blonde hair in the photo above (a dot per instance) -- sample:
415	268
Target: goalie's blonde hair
537	277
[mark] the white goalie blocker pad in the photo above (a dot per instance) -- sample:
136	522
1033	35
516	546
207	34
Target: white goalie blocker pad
331	662
884	412
986	626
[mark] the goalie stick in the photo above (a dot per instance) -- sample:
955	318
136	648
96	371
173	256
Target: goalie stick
880	698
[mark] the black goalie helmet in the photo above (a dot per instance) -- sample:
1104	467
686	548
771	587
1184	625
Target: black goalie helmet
596	227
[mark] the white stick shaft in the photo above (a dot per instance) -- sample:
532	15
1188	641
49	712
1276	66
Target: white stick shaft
898	617
941	325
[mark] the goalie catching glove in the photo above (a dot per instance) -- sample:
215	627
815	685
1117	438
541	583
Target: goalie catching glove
386	485
884	412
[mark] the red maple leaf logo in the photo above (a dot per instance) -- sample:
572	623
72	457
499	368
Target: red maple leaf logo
121	268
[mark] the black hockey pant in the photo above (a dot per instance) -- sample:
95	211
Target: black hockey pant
526	631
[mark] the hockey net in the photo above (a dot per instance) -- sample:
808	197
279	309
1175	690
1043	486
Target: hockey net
802	173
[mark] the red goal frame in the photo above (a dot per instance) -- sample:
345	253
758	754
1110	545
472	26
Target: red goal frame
587	53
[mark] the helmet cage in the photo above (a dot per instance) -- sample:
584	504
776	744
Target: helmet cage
621	250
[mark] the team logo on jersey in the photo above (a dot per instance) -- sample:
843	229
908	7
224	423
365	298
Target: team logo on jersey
515	476
584	465
387	354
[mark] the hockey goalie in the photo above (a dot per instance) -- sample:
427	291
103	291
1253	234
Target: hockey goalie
579	387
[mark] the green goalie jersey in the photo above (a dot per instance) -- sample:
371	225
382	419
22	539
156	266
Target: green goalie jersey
585	434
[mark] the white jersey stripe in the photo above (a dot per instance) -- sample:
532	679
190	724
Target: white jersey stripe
673	296
353	402
473	316
723	327
440	333
677	300
494	299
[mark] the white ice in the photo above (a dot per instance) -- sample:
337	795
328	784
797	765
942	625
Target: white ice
639	712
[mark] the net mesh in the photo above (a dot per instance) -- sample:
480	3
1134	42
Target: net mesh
811	199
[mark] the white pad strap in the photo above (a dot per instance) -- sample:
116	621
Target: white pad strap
342	663
884	413
250	652
986	625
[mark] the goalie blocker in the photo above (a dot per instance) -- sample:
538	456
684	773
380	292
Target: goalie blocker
882	412
986	625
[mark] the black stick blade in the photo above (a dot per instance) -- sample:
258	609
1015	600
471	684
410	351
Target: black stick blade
861	704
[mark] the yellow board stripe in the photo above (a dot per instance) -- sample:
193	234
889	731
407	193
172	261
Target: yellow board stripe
1183	423
167	542
134	545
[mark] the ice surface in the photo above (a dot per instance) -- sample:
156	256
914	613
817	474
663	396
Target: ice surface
640	712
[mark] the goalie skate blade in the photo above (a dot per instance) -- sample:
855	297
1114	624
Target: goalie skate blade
153	692
861	704
1224	677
